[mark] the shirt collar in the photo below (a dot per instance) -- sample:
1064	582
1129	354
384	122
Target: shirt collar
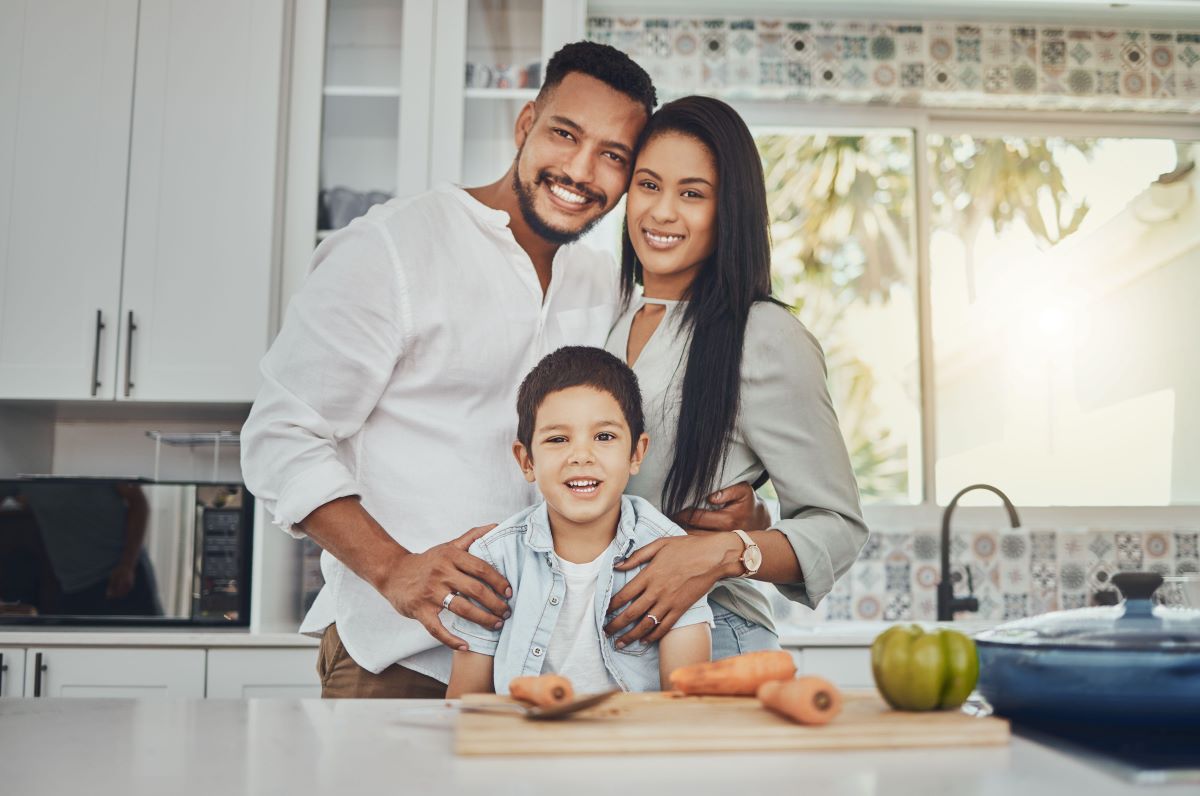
488	215
541	540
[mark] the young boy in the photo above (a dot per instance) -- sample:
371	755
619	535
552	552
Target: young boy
579	437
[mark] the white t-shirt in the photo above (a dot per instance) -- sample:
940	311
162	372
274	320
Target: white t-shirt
574	648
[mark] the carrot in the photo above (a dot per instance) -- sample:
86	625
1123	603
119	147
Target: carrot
807	700
544	690
739	675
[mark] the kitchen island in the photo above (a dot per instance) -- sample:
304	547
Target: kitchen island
299	747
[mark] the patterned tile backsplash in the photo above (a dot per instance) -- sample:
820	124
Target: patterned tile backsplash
934	64
1015	572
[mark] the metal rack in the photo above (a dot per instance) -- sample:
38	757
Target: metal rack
192	439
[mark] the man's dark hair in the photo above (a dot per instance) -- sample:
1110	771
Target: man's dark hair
579	366
607	64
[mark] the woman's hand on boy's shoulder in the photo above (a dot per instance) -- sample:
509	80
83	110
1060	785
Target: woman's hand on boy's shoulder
738	506
418	584
678	571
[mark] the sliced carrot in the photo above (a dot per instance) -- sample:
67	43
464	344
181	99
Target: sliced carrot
807	700
544	690
739	675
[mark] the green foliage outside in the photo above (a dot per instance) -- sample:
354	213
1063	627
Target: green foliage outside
843	215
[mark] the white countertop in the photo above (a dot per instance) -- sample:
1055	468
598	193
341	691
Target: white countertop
148	637
860	634
825	634
299	747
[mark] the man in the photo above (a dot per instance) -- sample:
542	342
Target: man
384	425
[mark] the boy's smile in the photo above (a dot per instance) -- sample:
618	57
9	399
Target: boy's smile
581	458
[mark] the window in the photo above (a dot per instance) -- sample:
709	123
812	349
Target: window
843	255
1063	280
1063	348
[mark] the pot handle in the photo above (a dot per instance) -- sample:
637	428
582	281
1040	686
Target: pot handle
1137	588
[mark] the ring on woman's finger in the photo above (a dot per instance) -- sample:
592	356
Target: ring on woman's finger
652	618
449	598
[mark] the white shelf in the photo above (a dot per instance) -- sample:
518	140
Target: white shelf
387	92
526	94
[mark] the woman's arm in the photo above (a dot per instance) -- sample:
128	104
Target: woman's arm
471	673
681	647
788	420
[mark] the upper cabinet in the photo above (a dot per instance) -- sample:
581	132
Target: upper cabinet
66	90
139	149
201	220
391	97
490	58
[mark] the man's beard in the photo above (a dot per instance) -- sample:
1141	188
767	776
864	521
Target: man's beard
542	228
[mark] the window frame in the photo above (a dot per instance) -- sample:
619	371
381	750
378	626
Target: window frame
775	116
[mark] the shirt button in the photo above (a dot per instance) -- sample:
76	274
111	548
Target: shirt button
537	652
554	601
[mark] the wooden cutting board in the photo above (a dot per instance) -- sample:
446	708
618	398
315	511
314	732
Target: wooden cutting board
662	722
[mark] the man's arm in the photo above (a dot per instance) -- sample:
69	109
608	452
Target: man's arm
681	647
414	583
471	674
120	580
323	376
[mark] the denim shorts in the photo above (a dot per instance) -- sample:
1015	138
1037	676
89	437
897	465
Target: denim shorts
734	635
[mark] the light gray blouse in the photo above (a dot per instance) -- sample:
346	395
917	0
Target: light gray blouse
786	426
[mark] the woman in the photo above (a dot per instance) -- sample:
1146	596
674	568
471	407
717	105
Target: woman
733	386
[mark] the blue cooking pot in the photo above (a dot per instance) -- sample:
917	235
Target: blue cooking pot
1134	664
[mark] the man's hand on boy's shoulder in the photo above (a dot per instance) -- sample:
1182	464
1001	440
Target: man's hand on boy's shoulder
738	506
417	585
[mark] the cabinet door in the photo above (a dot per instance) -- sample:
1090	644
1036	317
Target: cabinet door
201	220
846	667
243	674
126	672
489	57
66	84
12	672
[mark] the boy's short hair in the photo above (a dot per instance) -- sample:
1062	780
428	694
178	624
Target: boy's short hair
579	366
607	64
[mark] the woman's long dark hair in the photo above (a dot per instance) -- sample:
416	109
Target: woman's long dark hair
736	275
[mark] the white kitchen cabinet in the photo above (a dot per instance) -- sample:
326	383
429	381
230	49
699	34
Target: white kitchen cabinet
12	672
380	103
254	673
490	56
129	672
201	220
66	90
846	667
139	171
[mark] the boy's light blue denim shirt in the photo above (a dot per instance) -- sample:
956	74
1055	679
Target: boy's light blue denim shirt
522	550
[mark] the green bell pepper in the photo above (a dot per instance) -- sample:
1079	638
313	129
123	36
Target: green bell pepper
915	670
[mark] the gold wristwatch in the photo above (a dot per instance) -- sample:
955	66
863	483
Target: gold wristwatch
751	557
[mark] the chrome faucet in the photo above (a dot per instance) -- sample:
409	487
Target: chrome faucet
947	603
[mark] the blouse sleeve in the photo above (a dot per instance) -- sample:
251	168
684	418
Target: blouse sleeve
787	418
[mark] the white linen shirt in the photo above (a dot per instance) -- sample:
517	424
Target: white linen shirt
395	378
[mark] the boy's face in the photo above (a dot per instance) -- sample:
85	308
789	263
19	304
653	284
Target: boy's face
581	458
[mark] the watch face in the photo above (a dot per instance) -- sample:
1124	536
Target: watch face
752	558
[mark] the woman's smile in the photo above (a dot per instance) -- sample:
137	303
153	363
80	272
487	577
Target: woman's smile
662	240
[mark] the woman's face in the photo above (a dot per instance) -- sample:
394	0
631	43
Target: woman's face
671	211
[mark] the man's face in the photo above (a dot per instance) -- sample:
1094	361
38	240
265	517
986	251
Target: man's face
581	455
574	156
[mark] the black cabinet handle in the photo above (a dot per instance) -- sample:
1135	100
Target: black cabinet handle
38	668
96	353
129	355
3	669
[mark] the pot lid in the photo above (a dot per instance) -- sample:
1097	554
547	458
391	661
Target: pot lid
1136	624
